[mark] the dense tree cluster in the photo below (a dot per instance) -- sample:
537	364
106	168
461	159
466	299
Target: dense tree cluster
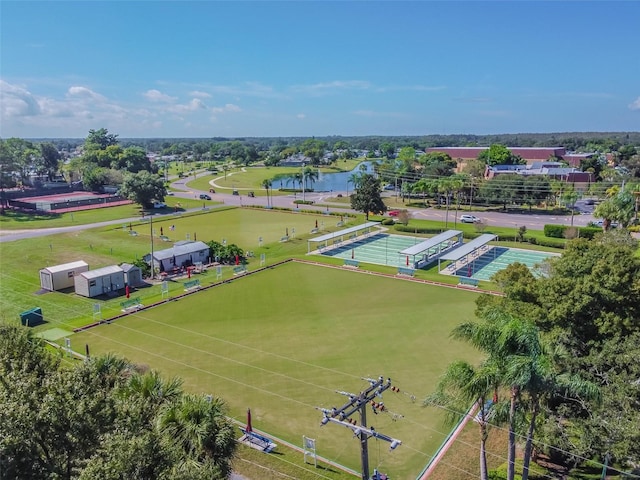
564	345
103	418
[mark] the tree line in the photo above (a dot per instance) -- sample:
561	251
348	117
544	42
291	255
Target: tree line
560	370
103	418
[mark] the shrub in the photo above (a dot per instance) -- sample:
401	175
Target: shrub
554	231
387	221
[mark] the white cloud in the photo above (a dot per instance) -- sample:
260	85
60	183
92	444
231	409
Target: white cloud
199	94
194	105
330	87
157	96
16	101
229	107
85	93
635	105
301	116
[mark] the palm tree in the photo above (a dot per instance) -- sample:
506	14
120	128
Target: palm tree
460	384
197	426
310	175
509	343
448	186
354	179
267	184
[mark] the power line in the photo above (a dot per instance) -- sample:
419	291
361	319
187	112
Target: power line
269	371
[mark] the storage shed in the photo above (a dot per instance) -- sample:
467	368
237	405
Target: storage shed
100	281
132	275
182	254
59	277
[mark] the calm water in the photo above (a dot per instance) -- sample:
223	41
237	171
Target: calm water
328	182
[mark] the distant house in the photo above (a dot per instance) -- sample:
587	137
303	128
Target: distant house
59	277
183	253
100	281
529	154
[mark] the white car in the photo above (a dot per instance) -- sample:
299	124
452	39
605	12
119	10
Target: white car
159	205
469	219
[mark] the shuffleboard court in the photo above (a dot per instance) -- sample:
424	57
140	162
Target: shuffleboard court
381	249
495	259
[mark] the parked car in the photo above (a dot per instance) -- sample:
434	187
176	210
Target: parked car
251	194
204	196
394	213
235	192
469	219
159	205
212	190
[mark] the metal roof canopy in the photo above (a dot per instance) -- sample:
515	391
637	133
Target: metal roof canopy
346	231
99	272
431	242
66	266
180	248
467	248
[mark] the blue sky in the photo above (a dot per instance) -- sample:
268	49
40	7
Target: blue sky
304	68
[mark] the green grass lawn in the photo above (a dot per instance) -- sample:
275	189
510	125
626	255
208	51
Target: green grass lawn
22	260
282	341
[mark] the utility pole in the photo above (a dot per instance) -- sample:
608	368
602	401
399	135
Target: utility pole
358	403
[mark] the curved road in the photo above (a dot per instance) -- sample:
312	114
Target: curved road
534	222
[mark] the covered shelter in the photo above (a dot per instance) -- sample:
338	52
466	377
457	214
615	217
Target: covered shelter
59	277
465	254
337	238
182	254
100	281
423	253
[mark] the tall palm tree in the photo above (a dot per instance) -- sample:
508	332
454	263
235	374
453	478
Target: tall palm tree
310	175
267	184
460	384
508	342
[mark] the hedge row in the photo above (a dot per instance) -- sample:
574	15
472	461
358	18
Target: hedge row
558	231
431	231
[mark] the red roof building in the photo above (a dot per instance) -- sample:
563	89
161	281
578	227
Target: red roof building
530	154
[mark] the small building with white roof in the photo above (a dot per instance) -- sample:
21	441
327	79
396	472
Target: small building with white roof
100	281
59	277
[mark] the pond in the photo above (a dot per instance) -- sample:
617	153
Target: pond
328	182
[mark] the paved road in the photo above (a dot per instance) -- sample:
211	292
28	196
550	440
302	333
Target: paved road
534	222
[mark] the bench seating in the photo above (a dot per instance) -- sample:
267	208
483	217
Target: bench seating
284	239
257	441
468	282
314	230
191	285
239	270
164	238
406	271
351	263
131	305
133	233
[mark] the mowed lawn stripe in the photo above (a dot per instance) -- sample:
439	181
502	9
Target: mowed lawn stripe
282	341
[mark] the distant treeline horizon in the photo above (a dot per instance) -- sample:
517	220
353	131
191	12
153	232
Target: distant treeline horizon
572	141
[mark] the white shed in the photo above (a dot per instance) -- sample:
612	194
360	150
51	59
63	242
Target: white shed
100	281
59	277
